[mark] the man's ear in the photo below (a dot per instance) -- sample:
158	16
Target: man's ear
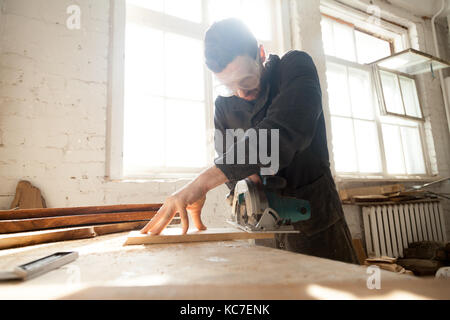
262	53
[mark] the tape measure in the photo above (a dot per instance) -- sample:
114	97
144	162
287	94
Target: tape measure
40	266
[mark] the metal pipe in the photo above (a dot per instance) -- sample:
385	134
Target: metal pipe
441	77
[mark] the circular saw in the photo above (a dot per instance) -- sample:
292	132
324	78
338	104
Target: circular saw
257	207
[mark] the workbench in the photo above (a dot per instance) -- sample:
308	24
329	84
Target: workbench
238	269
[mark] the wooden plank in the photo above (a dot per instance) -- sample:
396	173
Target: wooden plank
23	239
20	225
213	264
174	235
347	194
27	196
418	289
118	227
72	211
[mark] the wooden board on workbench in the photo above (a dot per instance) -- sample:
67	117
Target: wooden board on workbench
174	235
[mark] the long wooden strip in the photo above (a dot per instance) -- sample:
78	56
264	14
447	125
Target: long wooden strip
72	211
20	225
174	235
37	237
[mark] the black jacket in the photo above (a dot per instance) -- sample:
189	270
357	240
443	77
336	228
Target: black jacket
291	102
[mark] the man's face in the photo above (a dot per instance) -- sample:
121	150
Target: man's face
242	77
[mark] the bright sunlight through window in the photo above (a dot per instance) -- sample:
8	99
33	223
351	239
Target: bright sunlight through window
166	99
366	141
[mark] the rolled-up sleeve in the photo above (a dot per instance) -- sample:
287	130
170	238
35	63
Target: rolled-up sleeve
294	112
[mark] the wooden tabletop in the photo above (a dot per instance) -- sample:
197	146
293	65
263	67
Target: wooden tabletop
106	269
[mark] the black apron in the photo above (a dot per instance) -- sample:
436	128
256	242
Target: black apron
326	233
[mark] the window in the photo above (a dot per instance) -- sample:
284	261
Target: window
370	139
400	94
354	129
343	40
164	126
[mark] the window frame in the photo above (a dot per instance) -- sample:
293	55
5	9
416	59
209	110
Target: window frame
382	100
166	23
350	64
116	72
378	113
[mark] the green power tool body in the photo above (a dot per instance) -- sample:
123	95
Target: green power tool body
259	207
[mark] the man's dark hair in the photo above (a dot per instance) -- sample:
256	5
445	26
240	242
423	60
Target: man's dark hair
227	39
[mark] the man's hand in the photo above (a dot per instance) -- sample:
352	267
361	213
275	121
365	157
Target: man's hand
172	205
189	199
195	210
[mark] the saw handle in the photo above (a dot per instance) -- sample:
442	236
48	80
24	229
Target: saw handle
274	182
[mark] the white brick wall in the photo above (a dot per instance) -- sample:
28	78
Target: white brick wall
53	102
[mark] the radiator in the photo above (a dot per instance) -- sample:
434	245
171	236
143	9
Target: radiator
388	229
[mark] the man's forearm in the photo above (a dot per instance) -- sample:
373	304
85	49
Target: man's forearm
205	181
211	178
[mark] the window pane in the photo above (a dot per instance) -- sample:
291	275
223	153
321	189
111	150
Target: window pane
190	10
143	67
344	41
219	9
185	129
391	92
368	147
339	100
370	48
410	98
155	5
393	149
343	146
184	67
361	93
413	150
327	36
143	124
256	14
